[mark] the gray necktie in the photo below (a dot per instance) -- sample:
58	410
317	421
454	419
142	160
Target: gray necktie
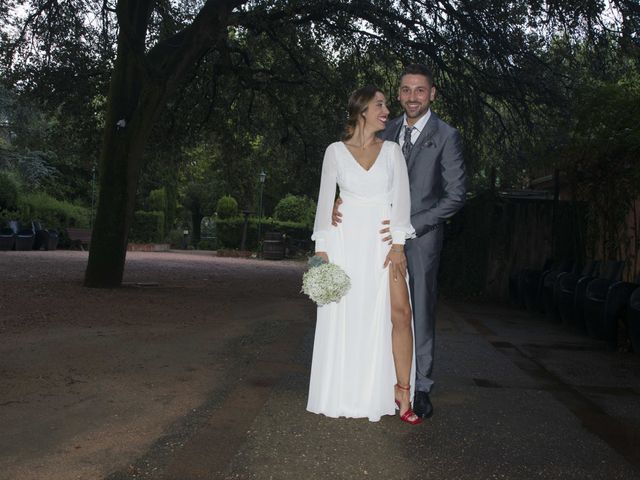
406	146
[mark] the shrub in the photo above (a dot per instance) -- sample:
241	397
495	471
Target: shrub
51	212
207	244
8	192
295	208
147	227
227	207
229	231
297	230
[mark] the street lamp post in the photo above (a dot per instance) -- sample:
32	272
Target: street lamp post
262	176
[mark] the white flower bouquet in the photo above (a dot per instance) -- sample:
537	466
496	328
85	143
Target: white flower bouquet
325	282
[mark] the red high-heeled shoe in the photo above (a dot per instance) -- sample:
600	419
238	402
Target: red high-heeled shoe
406	416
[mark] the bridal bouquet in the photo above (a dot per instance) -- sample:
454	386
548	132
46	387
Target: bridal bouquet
325	282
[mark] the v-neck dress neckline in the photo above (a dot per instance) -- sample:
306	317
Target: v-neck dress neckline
358	163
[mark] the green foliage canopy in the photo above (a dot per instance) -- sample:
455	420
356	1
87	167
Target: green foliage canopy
269	92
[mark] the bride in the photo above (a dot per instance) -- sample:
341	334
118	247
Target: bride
363	348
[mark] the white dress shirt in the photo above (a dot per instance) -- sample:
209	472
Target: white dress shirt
417	127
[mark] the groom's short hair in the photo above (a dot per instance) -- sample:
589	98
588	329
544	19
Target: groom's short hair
418	69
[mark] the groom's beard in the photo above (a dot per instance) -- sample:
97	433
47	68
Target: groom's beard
422	110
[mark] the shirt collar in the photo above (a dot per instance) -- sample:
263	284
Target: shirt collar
419	125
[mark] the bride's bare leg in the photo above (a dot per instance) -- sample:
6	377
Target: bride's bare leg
401	337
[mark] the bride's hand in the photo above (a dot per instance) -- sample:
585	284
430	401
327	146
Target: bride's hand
398	261
323	255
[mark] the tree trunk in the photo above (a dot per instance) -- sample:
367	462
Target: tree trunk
133	106
140	84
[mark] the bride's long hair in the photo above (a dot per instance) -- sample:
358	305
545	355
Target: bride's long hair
357	105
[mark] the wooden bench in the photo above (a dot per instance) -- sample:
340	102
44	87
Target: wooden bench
79	237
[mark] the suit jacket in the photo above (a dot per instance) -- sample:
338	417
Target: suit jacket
437	175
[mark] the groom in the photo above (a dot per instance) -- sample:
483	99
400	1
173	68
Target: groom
433	151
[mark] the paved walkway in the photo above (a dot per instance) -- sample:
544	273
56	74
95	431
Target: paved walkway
516	398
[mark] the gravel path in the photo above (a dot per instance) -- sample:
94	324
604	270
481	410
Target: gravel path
92	379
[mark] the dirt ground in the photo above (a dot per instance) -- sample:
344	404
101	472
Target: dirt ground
92	379
198	368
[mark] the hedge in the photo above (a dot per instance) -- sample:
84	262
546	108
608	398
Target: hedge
147	227
229	231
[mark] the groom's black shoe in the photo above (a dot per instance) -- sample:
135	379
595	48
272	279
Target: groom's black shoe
422	406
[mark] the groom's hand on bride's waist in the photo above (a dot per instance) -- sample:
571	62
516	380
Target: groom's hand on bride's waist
386	232
336	216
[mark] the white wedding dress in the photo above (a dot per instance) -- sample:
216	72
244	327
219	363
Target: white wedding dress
352	371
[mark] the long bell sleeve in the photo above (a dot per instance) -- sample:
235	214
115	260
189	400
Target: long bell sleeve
400	222
326	198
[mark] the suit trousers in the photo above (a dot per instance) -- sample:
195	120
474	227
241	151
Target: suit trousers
423	260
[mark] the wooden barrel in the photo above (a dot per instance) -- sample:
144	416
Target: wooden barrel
273	246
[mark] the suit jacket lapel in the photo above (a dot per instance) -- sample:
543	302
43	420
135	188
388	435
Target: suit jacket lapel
425	139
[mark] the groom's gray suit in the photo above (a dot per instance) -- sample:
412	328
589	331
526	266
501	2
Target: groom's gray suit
437	180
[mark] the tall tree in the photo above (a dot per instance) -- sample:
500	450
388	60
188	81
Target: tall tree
488	55
141	82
